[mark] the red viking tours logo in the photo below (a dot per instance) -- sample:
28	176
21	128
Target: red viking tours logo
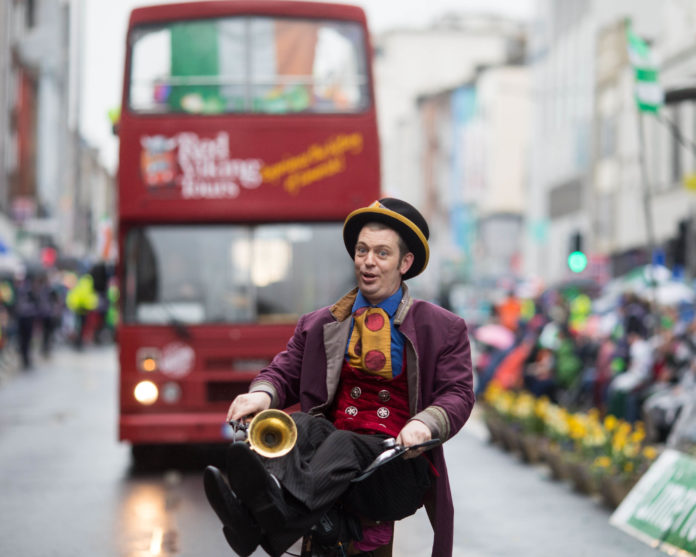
200	167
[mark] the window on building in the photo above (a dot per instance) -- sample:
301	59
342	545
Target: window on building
607	136
30	13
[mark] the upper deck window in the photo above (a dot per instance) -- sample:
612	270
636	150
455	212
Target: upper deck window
248	65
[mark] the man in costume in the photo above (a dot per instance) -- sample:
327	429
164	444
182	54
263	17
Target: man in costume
376	364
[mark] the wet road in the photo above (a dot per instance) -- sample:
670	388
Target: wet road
68	488
67	485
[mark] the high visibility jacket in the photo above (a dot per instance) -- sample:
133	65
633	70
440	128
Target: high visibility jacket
82	297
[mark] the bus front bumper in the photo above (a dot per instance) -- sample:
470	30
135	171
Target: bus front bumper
174	428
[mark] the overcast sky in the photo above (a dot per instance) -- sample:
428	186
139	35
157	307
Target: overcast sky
104	42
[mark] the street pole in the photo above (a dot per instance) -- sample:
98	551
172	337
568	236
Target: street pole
647	206
647	194
690	263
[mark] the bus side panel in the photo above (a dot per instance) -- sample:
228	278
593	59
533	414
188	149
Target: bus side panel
221	170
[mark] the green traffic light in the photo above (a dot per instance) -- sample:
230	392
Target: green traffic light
577	261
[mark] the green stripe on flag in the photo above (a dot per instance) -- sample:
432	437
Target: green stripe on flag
646	74
647	107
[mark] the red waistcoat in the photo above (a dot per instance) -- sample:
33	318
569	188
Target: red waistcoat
367	403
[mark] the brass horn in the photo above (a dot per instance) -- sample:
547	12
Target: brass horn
272	433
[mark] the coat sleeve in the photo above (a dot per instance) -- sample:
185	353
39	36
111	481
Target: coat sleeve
447	384
281	378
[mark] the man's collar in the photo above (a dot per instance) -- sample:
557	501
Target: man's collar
390	305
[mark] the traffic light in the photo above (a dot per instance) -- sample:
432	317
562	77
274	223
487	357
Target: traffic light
577	260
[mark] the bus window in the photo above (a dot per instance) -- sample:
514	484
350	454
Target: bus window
194	274
249	65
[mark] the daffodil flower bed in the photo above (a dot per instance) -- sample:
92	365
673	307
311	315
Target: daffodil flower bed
608	447
624	452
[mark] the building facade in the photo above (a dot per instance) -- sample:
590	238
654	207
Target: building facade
51	192
601	169
412	62
432	129
475	169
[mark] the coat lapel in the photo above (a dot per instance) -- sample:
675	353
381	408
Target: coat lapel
408	330
335	340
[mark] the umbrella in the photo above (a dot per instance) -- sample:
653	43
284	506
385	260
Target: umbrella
10	264
670	293
510	371
641	277
496	336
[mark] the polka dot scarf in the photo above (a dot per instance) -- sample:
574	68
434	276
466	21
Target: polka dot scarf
369	348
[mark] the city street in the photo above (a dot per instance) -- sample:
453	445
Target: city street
68	488
362	184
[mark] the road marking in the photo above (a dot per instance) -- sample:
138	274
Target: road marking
156	541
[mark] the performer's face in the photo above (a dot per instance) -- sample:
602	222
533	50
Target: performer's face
379	265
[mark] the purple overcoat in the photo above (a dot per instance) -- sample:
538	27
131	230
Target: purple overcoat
439	374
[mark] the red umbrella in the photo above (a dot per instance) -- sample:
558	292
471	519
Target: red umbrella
494	335
510	371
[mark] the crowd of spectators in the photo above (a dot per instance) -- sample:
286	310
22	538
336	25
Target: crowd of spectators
44	307
636	362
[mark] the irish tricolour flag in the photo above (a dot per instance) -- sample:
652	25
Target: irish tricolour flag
649	95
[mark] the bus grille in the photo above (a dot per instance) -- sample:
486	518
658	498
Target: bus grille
224	391
219	364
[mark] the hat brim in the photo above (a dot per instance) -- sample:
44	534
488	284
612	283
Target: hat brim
411	234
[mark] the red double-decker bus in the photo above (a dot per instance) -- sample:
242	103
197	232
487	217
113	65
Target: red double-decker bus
247	133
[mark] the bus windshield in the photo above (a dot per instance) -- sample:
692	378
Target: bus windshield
248	65
193	274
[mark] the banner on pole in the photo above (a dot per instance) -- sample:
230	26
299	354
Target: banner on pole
649	94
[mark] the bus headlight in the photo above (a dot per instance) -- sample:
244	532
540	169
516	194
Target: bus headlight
146	392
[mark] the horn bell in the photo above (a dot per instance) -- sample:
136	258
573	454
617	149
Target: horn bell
272	433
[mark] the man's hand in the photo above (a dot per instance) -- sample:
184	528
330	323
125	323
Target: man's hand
413	433
248	404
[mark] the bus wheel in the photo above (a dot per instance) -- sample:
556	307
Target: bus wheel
148	456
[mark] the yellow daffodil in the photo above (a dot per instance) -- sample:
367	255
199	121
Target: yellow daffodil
610	422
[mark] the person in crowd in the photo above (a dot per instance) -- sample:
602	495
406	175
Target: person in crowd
509	311
7	311
491	365
675	386
587	350
111	317
603	370
626	389
568	364
637	314
81	300
50	312
539	377
26	313
376	364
